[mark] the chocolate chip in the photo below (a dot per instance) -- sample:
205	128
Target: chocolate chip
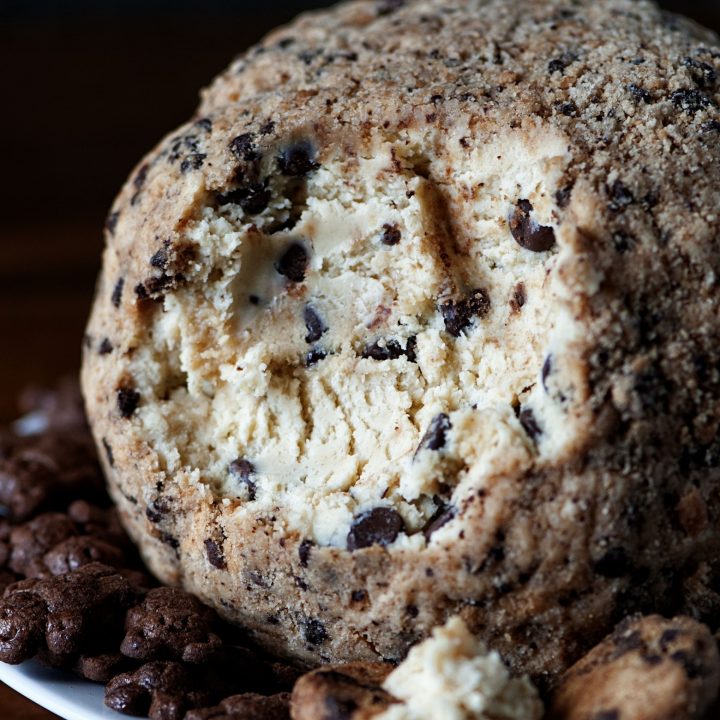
704	74
243	147
192	162
304	551
613	564
293	263
386	7
127	401
160	259
267	128
141	176
562	196
606	715
205	124
669	636
116	296
391	235
383	350
443	515
711	126
215	554
692	666
298	159
411	348
314	356
569	109
243	470
556	65
105	347
141	292
546	370
435	436
108	452
640	93
315	326
527	233
529	423
690	101
620	196
358	595
253	198
314	632
379	526
111	222
459	315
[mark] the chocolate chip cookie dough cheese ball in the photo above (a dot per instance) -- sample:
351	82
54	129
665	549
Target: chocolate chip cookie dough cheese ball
418	317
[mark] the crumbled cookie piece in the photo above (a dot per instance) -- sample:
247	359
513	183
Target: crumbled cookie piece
352	691
249	706
77	613
647	668
170	624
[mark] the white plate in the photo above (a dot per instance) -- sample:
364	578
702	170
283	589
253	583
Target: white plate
60	692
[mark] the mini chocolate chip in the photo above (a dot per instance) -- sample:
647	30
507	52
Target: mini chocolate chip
141	176
298	159
652	659
613	564
606	715
527	233
692	666
546	370
243	470
192	162
562	196
435	436
459	315
411	348
267	128
358	595
304	551
105	347
628	642
314	632
668	636
293	263
243	147
443	515
160	259
153	513
383	350
111	222
168	539
391	235
711	126
640	93
253	299
127	401
205	124
116	296
702	73
141	292
379	526
556	65
215	554
386	7
108	452
315	326
620	196
252	198
690	101
314	357
412	611
529	423
569	109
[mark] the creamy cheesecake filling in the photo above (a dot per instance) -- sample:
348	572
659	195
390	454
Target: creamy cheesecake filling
378	340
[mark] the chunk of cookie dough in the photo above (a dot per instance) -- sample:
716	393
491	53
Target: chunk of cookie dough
417	317
650	668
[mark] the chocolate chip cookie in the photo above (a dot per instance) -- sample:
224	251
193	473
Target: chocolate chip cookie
417	316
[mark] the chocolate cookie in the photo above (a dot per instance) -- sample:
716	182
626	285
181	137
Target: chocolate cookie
417	317
649	668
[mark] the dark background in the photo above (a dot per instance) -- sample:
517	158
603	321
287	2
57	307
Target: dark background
87	88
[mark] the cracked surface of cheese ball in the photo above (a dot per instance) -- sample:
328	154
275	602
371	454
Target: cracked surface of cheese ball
418	317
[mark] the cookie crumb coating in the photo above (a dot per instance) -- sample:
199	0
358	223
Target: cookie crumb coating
418	317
